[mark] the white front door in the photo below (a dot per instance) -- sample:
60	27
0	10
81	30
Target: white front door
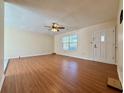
103	46
96	45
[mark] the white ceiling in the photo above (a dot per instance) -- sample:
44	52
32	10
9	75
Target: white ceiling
33	15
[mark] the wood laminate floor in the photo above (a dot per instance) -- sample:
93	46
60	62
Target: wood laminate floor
58	74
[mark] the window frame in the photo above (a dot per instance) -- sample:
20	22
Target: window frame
68	43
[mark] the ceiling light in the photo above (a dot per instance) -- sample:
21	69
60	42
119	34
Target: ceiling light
54	30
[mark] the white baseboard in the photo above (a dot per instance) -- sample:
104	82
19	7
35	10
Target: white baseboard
91	59
2	81
76	57
35	55
119	75
32	55
6	61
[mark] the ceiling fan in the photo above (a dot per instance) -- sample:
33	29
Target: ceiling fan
55	27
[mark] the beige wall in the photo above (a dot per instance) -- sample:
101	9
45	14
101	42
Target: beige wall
26	43
1	41
84	38
119	51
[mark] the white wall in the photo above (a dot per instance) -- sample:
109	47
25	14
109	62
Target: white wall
1	42
20	39
84	38
119	40
26	43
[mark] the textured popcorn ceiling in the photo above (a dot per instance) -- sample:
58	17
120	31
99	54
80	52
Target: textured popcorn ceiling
33	15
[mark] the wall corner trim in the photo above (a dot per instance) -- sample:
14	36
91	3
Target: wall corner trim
1	82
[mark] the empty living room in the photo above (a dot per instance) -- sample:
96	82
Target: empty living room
61	46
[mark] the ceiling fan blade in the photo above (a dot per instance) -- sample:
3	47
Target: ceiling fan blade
48	26
49	29
61	27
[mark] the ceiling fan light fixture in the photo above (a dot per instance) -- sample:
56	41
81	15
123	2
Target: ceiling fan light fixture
55	27
54	30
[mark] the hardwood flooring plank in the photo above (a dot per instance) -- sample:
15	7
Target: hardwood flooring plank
58	74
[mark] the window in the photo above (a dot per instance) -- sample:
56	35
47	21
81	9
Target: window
102	36
69	42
